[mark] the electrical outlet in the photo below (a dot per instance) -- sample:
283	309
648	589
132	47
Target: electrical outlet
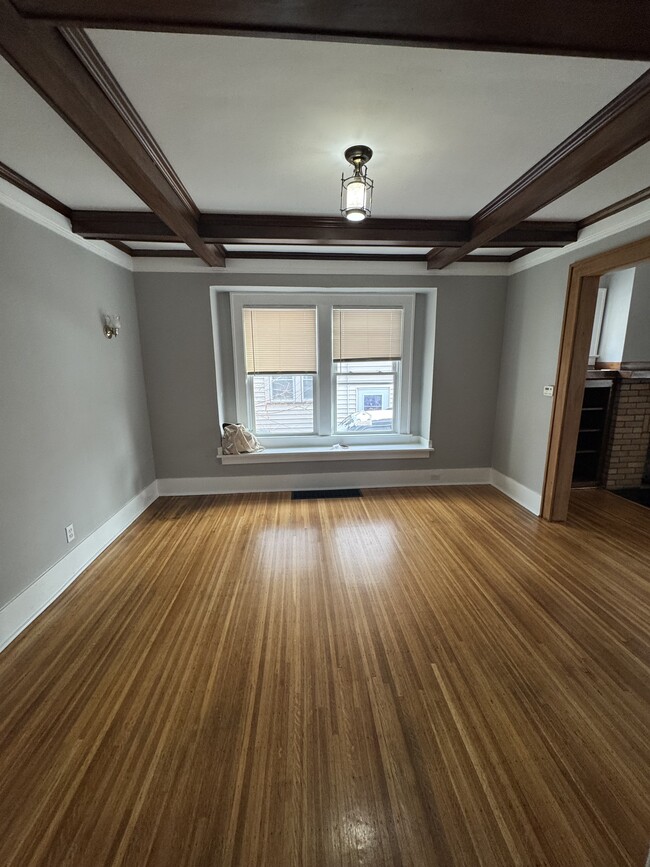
69	533
548	390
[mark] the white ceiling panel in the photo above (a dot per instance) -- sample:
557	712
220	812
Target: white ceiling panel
260	125
625	177
315	248
38	144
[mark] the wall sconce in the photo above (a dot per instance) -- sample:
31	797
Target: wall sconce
356	191
112	325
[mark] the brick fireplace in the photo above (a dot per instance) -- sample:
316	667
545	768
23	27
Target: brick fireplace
628	442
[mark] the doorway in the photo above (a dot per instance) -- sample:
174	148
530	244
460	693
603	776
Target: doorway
584	282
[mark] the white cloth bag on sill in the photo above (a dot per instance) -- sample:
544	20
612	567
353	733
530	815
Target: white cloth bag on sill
238	440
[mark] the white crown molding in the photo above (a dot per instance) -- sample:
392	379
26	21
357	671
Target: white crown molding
628	219
27	206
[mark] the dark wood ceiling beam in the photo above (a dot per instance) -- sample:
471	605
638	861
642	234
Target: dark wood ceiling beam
521	253
617	129
123	248
251	254
262	229
615	208
234	229
43	57
121	226
271	229
33	190
320	257
274	229
582	27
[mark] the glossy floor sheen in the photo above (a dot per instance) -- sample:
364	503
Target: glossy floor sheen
421	677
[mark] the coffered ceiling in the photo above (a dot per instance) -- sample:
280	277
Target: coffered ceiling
193	126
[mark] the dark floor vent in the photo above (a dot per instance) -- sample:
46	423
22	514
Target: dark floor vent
326	495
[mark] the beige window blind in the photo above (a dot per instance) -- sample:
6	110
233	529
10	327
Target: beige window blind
280	340
371	334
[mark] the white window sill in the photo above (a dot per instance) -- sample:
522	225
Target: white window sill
327	453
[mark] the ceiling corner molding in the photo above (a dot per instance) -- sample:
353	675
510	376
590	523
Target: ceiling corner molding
608	227
27	206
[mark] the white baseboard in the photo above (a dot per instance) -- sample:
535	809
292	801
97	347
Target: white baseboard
322	481
20	612
530	500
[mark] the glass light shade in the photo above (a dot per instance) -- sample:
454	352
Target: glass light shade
112	325
356	197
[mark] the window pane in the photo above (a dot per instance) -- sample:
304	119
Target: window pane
365	399
282	404
308	387
283	389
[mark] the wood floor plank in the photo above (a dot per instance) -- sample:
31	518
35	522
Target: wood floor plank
418	678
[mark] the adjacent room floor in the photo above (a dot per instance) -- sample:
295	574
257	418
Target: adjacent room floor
420	677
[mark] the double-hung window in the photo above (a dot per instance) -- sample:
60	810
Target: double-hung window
280	368
323	368
367	357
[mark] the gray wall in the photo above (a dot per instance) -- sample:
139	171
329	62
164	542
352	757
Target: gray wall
617	310
637	336
74	433
178	353
533	324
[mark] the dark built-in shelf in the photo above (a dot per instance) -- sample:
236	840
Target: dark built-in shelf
588	459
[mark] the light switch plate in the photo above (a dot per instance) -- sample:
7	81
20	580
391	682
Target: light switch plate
548	390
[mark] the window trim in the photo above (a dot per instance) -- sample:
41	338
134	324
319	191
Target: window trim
324	413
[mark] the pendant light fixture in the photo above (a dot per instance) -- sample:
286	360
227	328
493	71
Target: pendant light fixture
356	191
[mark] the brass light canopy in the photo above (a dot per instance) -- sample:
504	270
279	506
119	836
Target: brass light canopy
356	190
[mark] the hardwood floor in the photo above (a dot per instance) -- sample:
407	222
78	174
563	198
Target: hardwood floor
421	677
